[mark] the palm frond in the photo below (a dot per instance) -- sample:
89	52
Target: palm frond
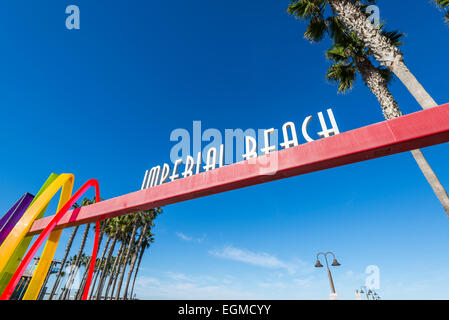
306	9
393	36
316	30
442	3
343	74
337	53
337	29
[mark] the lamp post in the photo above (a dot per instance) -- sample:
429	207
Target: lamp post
335	263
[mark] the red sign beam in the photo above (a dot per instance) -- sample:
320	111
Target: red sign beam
413	131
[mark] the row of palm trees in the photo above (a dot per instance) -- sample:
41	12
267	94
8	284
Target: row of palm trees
127	238
360	47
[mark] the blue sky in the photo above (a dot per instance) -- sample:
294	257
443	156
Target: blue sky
101	102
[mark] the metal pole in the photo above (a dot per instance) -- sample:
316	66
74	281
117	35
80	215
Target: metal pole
331	280
329	274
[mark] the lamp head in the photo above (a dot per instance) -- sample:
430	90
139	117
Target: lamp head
335	263
318	264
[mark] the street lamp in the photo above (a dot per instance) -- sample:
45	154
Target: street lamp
335	263
369	292
364	289
375	295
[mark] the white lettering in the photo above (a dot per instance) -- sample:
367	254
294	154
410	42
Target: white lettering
211	161
188	170
174	174
266	135
251	148
287	142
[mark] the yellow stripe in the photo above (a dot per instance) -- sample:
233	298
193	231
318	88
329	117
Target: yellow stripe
44	264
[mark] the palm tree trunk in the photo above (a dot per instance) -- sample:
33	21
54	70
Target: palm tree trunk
122	273
114	268
79	293
142	250
432	179
100	239
67	280
413	85
67	251
105	267
120	269
41	292
120	266
98	271
379	87
134	258
78	260
130	271
386	53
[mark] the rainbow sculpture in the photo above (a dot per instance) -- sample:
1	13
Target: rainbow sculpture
14	241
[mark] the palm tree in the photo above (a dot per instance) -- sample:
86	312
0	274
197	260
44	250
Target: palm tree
146	237
124	226
100	262
351	55
112	228
103	268
76	265
144	246
444	5
134	220
70	279
145	221
66	254
384	51
115	270
130	225
109	269
73	271
84	263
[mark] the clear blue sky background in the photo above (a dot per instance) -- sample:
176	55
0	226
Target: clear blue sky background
101	103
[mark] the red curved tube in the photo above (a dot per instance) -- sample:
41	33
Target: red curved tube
49	228
93	259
